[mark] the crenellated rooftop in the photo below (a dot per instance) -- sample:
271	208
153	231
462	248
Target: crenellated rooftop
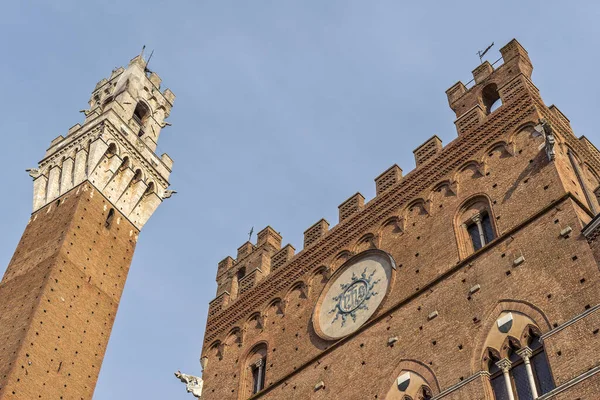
491	86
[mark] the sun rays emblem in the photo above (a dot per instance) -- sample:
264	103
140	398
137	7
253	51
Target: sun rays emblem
354	296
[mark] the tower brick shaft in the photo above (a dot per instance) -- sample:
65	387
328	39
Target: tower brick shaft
93	192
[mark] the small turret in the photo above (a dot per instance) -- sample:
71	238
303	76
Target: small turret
492	87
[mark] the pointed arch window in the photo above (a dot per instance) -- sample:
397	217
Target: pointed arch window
524	374
140	115
255	370
474	225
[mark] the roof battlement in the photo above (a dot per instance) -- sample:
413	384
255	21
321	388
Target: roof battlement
471	105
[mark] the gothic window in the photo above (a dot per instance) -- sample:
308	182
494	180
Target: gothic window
255	370
474	225
521	371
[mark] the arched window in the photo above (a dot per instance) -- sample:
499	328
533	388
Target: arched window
520	370
491	98
149	189
255	370
141	112
125	164
140	115
474	225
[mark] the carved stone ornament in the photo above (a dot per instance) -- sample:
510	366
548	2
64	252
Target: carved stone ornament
193	384
353	294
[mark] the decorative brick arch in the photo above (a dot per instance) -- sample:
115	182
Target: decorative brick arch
505	149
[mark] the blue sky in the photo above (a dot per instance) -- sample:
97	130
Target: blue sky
284	109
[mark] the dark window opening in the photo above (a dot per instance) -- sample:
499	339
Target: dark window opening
426	393
141	112
491	98
480	230
109	218
149	189
241	273
140	115
518	378
136	177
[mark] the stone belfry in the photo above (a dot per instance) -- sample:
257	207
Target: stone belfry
94	190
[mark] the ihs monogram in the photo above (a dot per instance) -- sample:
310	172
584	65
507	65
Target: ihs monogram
354	296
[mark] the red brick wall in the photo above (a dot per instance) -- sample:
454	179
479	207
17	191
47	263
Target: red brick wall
532	200
59	298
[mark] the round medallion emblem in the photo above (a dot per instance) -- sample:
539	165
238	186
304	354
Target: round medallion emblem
353	294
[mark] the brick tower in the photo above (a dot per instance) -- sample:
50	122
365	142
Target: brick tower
94	190
474	276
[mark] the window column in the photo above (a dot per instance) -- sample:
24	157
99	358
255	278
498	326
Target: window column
525	353
505	365
477	220
259	367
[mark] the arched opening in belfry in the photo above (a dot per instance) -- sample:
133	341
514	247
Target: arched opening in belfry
111	150
149	189
491	98
140	115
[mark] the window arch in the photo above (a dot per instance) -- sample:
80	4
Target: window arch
491	98
149	189
518	368
255	370
140	115
474	225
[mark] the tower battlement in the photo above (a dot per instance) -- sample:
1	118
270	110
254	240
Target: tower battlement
115	146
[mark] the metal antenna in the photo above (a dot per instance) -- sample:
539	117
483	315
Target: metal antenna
142	52
250	234
482	53
148	62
